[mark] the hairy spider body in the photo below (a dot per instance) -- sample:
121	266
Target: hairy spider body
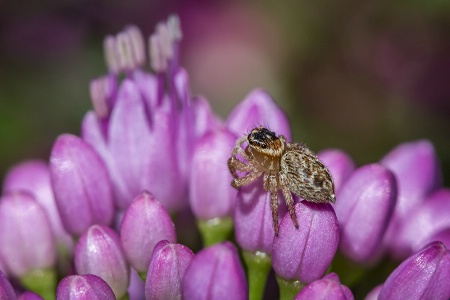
289	167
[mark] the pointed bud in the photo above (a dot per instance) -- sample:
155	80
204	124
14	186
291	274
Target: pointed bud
29	296
364	207
258	108
81	185
215	273
26	239
211	194
99	252
84	287
166	271
424	275
315	243
329	287
144	224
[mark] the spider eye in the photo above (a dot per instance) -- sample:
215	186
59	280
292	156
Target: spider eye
264	146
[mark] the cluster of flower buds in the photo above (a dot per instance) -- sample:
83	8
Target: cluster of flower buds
114	212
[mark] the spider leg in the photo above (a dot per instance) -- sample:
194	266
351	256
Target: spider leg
288	198
238	149
234	164
270	184
245	180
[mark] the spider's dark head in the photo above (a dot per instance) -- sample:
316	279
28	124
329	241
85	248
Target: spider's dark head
265	142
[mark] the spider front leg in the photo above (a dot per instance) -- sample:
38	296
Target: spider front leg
270	184
234	164
288	197
238	149
245	180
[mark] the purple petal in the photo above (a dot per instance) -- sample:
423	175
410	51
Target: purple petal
81	185
205	119
26	238
166	271
373	294
145	223
211	194
339	163
99	252
253	218
6	289
258	109
425	275
84	287
329	287
364	207
315	243
215	273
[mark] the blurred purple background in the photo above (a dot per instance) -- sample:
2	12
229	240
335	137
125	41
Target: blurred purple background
358	75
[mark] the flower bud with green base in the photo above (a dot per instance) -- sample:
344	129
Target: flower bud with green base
27	243
166	271
329	287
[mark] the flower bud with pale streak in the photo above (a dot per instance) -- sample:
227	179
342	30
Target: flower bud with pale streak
144	224
424	275
166	271
81	185
84	287
99	252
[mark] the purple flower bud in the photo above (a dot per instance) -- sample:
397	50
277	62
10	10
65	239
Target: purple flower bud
211	195
166	271
364	207
205	120
339	163
418	173
253	218
34	177
84	287
26	239
329	287
99	252
258	108
29	296
424	275
305	253
6	289
144	224
136	288
215	273
428	222
81	184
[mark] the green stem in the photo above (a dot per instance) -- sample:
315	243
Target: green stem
215	230
258	266
289	288
42	282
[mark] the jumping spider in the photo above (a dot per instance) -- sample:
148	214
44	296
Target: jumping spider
290	167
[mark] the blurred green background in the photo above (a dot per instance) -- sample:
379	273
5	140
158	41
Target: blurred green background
363	76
